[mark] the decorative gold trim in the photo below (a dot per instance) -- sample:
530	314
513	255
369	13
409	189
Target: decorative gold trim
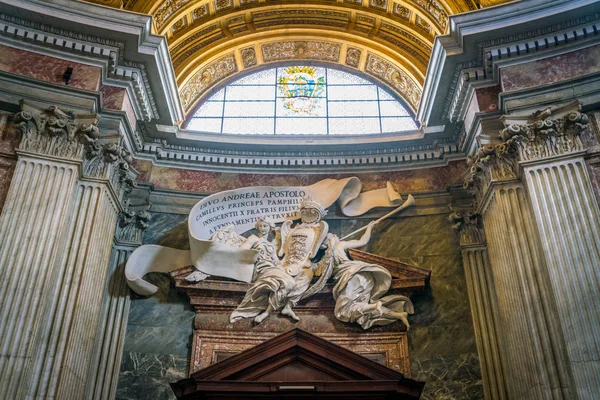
254	33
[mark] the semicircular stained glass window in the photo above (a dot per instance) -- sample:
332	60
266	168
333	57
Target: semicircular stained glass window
302	100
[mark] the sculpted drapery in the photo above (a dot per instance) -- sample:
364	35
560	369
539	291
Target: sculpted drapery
282	271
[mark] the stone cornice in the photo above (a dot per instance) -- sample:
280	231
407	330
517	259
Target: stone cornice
121	43
479	41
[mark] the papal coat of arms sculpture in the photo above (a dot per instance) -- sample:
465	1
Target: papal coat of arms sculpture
289	260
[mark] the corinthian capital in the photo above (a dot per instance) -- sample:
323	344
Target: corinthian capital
547	133
55	132
469	227
492	162
131	226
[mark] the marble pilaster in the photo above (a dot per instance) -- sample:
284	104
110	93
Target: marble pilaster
482	299
530	340
55	241
566	214
104	373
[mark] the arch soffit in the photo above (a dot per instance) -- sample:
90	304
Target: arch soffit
224	68
213	42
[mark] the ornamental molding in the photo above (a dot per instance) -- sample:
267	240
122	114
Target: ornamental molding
132	225
217	73
301	50
492	163
548	133
47	39
394	77
207	77
55	132
242	158
469	227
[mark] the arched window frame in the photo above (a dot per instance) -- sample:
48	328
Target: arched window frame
331	127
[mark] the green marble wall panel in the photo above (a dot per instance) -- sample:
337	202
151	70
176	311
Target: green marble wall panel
441	339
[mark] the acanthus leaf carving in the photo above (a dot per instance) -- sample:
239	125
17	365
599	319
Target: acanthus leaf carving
492	162
547	135
469	227
132	225
56	132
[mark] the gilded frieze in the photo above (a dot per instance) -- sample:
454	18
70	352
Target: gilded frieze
394	77
401	11
306	50
435	10
249	57
378	4
205	78
166	10
353	57
200	12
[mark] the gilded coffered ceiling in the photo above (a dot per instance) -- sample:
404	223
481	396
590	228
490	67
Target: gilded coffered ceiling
214	41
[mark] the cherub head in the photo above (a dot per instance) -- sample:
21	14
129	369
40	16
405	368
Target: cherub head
311	211
264	225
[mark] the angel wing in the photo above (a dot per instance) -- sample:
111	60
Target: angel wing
228	235
286	227
323	269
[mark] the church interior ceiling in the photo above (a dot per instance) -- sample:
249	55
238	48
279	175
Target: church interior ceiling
212	42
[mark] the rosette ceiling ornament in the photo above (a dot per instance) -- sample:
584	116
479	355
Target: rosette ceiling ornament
213	42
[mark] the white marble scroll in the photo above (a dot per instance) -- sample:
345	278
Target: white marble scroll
242	207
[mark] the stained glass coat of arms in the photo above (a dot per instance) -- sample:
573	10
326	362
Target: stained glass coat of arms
302	100
300	90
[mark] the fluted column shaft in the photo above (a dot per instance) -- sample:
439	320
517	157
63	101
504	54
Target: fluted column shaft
484	310
568	218
532	346
551	144
104	373
32	237
60	370
56	234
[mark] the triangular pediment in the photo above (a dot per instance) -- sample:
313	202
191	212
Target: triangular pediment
302	360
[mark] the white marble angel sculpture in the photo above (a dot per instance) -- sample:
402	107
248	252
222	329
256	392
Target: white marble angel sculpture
360	286
279	285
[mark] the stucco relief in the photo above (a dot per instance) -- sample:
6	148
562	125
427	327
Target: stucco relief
395	77
299	49
205	78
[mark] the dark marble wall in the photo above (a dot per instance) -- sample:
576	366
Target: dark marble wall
441	339
159	331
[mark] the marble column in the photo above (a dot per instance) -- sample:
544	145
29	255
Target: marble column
531	342
551	154
482	299
106	364
56	234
